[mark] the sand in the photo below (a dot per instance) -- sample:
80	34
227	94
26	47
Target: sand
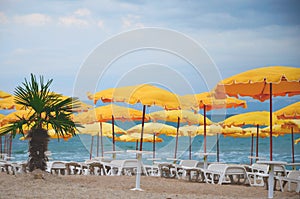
80	186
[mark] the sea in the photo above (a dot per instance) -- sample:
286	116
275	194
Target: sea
231	150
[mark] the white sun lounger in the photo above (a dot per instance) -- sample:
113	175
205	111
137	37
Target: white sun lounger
186	168
119	167
56	167
292	177
224	173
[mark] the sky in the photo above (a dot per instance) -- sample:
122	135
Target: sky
57	38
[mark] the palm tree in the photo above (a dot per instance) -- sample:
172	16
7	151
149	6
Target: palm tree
45	109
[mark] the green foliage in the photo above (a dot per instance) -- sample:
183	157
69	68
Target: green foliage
46	108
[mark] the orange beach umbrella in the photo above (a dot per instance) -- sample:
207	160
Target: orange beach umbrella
262	84
146	94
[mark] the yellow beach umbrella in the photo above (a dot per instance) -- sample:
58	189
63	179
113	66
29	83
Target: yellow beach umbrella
15	116
93	129
4	94
262	84
53	135
153	129
146	94
277	130
107	113
134	137
256	118
184	115
207	102
9	103
211	130
289	112
285	128
179	116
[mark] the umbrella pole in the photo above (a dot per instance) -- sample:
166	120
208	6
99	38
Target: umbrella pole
293	152
218	147
101	137
91	150
251	151
98	144
113	135
10	145
153	145
190	147
271	133
137	145
204	128
176	143
257	137
142	132
0	147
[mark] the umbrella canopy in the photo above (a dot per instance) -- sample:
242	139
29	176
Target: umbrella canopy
184	115
9	103
260	118
53	135
279	130
289	112
262	84
14	116
208	100
133	137
256	83
105	113
297	141
145	94
93	129
153	128
4	94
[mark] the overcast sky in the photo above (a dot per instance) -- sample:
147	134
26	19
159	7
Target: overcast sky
54	38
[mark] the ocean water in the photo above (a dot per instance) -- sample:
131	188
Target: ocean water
232	150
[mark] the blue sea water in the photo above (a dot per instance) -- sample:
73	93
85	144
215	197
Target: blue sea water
232	150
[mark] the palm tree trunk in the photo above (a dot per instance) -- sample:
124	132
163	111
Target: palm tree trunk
38	145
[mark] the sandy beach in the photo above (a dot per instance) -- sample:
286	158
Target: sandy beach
79	186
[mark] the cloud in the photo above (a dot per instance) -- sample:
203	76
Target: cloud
34	19
82	12
131	21
3	18
71	20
